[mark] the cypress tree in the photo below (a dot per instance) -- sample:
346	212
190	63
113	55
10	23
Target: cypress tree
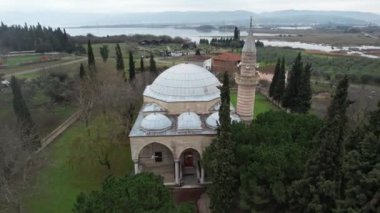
220	159
236	34
90	55
104	53
152	65
304	91
142	68
273	85
280	84
119	59
319	189
82	72
132	70
24	119
291	90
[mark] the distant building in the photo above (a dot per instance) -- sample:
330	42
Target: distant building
225	62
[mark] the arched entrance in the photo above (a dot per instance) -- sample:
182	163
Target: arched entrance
158	159
190	167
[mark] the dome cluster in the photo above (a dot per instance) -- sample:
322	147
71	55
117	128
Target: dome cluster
185	121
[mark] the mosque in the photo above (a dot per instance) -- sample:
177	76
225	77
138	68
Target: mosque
179	118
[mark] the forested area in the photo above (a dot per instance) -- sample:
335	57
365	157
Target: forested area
296	162
38	38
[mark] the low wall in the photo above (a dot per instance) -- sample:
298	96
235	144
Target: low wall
58	131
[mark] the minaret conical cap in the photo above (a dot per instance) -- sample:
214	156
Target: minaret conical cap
249	45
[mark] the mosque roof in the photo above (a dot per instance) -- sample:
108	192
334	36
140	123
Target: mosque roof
184	82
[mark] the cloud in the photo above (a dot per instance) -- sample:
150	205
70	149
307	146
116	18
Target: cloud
125	6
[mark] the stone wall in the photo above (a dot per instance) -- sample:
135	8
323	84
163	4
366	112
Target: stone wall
176	108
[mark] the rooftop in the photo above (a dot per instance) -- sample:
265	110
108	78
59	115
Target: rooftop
228	57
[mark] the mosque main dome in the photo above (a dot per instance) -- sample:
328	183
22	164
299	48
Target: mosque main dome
184	82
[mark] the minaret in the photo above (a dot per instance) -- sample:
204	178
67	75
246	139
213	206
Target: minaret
247	79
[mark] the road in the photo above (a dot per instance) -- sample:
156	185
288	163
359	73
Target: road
7	76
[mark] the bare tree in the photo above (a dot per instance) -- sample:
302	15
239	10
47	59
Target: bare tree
14	159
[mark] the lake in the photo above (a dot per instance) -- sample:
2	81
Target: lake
195	35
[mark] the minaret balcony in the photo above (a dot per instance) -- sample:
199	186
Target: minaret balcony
246	80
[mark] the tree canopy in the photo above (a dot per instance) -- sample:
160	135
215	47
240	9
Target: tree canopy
144	192
38	38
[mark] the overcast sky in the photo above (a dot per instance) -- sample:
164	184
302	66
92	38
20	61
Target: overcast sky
123	6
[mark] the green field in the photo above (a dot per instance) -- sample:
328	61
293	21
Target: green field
359	69
261	103
16	60
55	187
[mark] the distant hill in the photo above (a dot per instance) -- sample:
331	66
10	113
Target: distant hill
286	17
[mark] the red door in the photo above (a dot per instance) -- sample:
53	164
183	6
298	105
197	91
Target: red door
188	159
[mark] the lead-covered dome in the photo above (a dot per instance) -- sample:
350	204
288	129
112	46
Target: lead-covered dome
156	122
184	82
213	120
189	120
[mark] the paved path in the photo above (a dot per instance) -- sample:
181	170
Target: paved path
44	67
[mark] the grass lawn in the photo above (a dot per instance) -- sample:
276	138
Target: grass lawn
261	103
55	187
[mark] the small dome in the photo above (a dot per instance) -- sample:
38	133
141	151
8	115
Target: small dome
189	120
184	82
156	122
216	107
213	120
152	107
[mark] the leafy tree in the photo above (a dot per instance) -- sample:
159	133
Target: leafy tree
361	183
24	119
290	98
82	71
142	68
219	159
319	189
277	144
152	65
304	91
273	85
144	192
104	52
119	59
90	55
280	83
56	85
132	71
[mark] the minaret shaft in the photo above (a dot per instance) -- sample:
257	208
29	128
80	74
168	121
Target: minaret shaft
247	80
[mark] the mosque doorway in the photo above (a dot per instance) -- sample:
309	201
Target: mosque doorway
190	167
